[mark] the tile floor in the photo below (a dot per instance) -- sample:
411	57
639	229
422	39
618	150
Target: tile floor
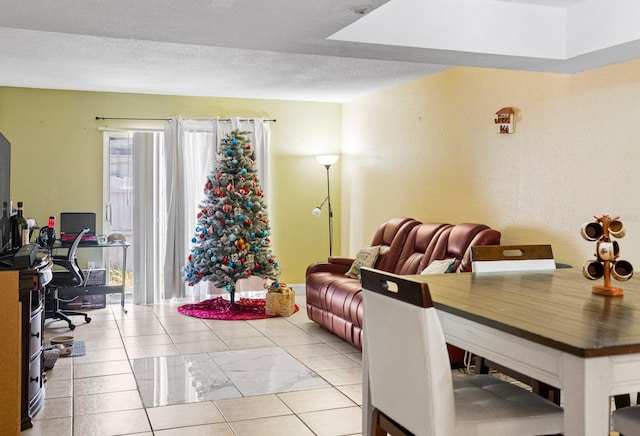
156	372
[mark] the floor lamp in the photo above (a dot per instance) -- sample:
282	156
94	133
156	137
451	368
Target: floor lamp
327	161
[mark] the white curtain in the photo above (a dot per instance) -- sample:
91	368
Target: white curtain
189	153
148	223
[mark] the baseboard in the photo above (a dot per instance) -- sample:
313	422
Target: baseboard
298	288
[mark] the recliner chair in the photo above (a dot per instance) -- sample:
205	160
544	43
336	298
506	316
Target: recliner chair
69	276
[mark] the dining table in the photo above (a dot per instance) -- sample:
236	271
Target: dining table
550	326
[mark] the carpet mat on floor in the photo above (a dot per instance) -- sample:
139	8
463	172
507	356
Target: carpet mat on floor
221	308
78	349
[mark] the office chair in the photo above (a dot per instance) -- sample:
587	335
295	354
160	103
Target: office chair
412	389
69	276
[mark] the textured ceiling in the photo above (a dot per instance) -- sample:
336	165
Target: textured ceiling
328	50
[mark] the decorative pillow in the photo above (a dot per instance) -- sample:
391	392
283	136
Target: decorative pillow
440	267
365	257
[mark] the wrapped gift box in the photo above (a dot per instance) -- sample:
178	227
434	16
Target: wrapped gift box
280	300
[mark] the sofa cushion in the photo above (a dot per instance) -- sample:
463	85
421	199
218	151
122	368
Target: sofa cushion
420	242
391	237
440	266
366	257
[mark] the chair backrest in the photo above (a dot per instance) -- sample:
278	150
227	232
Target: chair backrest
512	258
409	374
72	274
71	254
391	237
420	242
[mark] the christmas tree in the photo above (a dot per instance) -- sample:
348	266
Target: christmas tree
231	239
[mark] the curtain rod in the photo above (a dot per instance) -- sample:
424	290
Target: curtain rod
169	119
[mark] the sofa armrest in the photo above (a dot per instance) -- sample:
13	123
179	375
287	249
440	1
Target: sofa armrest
347	261
339	265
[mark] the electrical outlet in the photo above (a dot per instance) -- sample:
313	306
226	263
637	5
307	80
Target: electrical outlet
91	265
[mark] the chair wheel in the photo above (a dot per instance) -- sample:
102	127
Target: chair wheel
87	319
72	326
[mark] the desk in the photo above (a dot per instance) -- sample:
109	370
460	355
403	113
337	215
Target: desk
547	325
70	292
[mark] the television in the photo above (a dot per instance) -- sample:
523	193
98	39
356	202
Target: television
5	169
5	177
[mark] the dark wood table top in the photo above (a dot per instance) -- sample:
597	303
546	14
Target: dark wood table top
555	308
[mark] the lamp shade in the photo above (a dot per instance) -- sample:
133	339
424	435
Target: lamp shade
316	212
327	159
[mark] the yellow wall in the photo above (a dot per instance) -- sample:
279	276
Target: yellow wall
57	156
426	149
429	149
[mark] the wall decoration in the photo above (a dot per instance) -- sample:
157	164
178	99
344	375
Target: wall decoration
504	120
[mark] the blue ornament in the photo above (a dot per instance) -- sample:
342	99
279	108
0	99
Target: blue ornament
256	249
231	264
264	234
228	288
189	275
229	151
209	252
240	152
196	252
252	234
276	284
213	258
243	171
232	237
204	232
240	217
275	264
193	240
249	204
234	161
197	229
234	141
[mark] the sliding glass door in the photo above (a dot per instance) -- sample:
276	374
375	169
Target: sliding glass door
118	200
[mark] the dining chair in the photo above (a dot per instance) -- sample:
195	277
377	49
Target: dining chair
412	388
626	420
502	258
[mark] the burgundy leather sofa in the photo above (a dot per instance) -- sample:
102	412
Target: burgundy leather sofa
407	246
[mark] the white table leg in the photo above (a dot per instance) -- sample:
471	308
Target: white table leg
586	388
366	397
